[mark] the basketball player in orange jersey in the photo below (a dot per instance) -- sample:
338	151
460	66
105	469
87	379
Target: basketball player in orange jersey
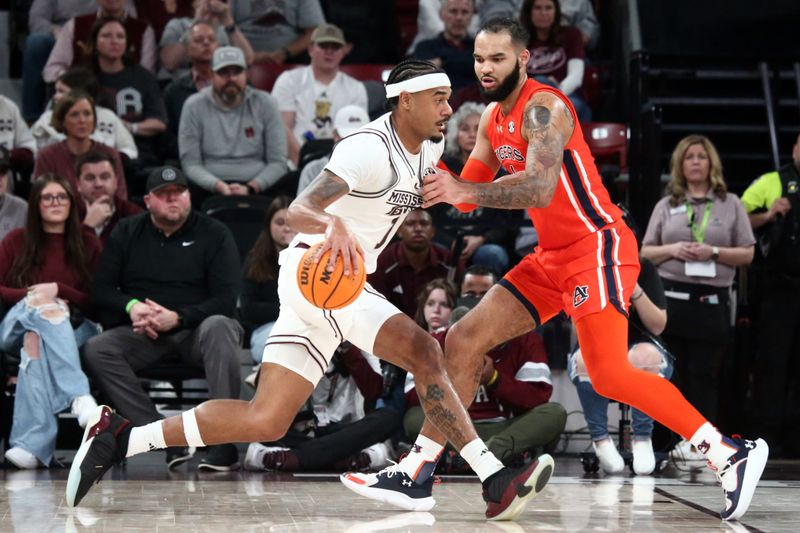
372	181
586	263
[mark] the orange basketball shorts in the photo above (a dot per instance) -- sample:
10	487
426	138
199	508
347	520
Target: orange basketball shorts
583	278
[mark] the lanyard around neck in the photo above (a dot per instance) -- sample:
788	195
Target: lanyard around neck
698	233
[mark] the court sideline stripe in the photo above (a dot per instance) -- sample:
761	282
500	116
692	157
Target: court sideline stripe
699	507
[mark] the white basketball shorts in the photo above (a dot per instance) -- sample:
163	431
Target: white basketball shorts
305	337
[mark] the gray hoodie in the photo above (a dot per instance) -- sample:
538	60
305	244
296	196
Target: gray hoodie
233	145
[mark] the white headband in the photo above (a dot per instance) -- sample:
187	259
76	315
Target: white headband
420	83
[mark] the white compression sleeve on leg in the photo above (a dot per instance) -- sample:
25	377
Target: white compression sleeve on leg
190	429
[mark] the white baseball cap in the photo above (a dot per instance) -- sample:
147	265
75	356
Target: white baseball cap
349	118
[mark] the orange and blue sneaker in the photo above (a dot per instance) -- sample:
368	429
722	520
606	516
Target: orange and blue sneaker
394	487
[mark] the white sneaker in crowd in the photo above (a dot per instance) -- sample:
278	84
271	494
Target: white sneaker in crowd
644	460
610	459
21	458
687	455
254	458
83	407
378	455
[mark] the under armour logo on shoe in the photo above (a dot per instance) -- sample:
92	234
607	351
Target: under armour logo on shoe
416	448
749	444
703	447
407	482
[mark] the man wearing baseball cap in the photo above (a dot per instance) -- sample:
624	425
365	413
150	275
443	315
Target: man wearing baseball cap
231	136
309	97
167	285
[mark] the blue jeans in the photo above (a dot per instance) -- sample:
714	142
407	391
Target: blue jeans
47	385
595	407
492	256
37	50
258	339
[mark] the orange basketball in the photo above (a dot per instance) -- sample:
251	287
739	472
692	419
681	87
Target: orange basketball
328	290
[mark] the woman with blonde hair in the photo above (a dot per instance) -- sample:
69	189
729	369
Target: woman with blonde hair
697	235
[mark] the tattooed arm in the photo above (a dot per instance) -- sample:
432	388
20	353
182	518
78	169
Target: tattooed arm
307	214
548	126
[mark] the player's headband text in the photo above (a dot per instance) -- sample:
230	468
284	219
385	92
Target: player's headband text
418	84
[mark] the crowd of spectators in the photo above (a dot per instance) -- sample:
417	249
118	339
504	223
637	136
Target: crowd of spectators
139	111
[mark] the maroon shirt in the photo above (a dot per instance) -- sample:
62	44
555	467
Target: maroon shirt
57	158
53	269
157	14
524	379
122	209
395	278
134	28
552	61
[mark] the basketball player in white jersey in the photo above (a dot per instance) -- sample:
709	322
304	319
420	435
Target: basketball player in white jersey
355	206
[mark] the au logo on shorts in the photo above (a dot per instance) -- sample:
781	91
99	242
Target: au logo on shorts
580	295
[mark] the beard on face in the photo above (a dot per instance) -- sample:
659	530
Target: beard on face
230	93
503	89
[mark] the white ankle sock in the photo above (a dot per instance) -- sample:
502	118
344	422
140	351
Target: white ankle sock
713	444
146	438
425	452
482	461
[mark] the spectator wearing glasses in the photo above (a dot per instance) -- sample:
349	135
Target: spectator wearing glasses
45	271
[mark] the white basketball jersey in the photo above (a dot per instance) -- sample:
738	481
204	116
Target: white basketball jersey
385	184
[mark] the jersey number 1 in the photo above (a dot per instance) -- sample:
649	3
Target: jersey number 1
388	233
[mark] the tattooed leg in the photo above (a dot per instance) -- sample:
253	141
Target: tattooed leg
498	318
402	342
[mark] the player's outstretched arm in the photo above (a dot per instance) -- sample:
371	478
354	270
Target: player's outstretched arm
548	126
307	215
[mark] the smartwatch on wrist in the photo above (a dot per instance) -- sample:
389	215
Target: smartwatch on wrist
714	253
230	29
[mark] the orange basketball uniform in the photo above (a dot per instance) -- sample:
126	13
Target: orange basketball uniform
587	257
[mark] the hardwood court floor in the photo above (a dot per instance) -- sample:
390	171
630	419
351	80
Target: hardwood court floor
143	496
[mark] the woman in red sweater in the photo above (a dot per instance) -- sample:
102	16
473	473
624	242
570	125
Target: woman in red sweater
45	271
75	117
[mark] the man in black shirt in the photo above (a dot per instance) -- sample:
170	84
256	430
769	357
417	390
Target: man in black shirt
167	284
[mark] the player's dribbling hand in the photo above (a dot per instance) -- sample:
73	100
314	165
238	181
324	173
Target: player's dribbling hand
440	187
340	242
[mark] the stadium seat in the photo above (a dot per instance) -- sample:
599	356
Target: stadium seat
312	150
592	86
367	72
263	75
244	216
608	142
